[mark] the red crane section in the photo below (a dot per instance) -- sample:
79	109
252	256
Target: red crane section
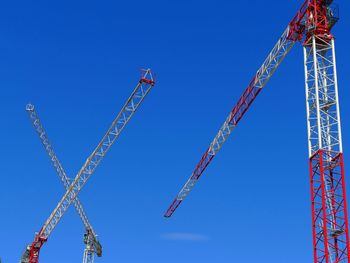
311	25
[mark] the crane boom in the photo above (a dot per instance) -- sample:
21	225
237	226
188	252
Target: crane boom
271	63
92	243
142	89
294	32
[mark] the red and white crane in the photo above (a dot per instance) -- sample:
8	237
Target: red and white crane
143	87
92	245
312	26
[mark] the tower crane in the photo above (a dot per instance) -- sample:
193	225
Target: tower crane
92	245
143	87
312	25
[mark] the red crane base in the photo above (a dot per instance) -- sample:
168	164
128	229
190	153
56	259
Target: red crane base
329	210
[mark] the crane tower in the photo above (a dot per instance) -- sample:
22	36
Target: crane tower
311	26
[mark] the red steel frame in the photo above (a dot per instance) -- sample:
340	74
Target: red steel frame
328	195
331	236
311	14
38	242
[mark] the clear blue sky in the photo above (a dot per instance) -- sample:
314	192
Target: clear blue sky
78	61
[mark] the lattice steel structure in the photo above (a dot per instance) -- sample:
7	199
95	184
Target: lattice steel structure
92	245
329	210
89	247
312	25
143	87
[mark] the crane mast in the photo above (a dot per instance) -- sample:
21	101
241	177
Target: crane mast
328	196
312	25
143	87
92	245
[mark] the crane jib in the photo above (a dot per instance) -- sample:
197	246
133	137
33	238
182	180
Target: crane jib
259	80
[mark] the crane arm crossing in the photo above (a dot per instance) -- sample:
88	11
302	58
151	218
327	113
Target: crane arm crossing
143	87
130	107
94	244
265	72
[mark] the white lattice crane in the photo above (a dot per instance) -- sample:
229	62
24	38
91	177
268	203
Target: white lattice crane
92	245
144	86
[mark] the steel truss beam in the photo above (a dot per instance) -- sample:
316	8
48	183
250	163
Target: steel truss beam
265	72
324	131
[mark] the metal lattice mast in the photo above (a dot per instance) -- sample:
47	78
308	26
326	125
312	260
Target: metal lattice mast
91	242
328	197
142	89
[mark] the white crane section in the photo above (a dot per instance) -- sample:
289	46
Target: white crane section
322	102
91	243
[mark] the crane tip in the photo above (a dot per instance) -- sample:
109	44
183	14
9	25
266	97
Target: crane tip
29	107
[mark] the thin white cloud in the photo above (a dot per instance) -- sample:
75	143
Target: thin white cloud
180	236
